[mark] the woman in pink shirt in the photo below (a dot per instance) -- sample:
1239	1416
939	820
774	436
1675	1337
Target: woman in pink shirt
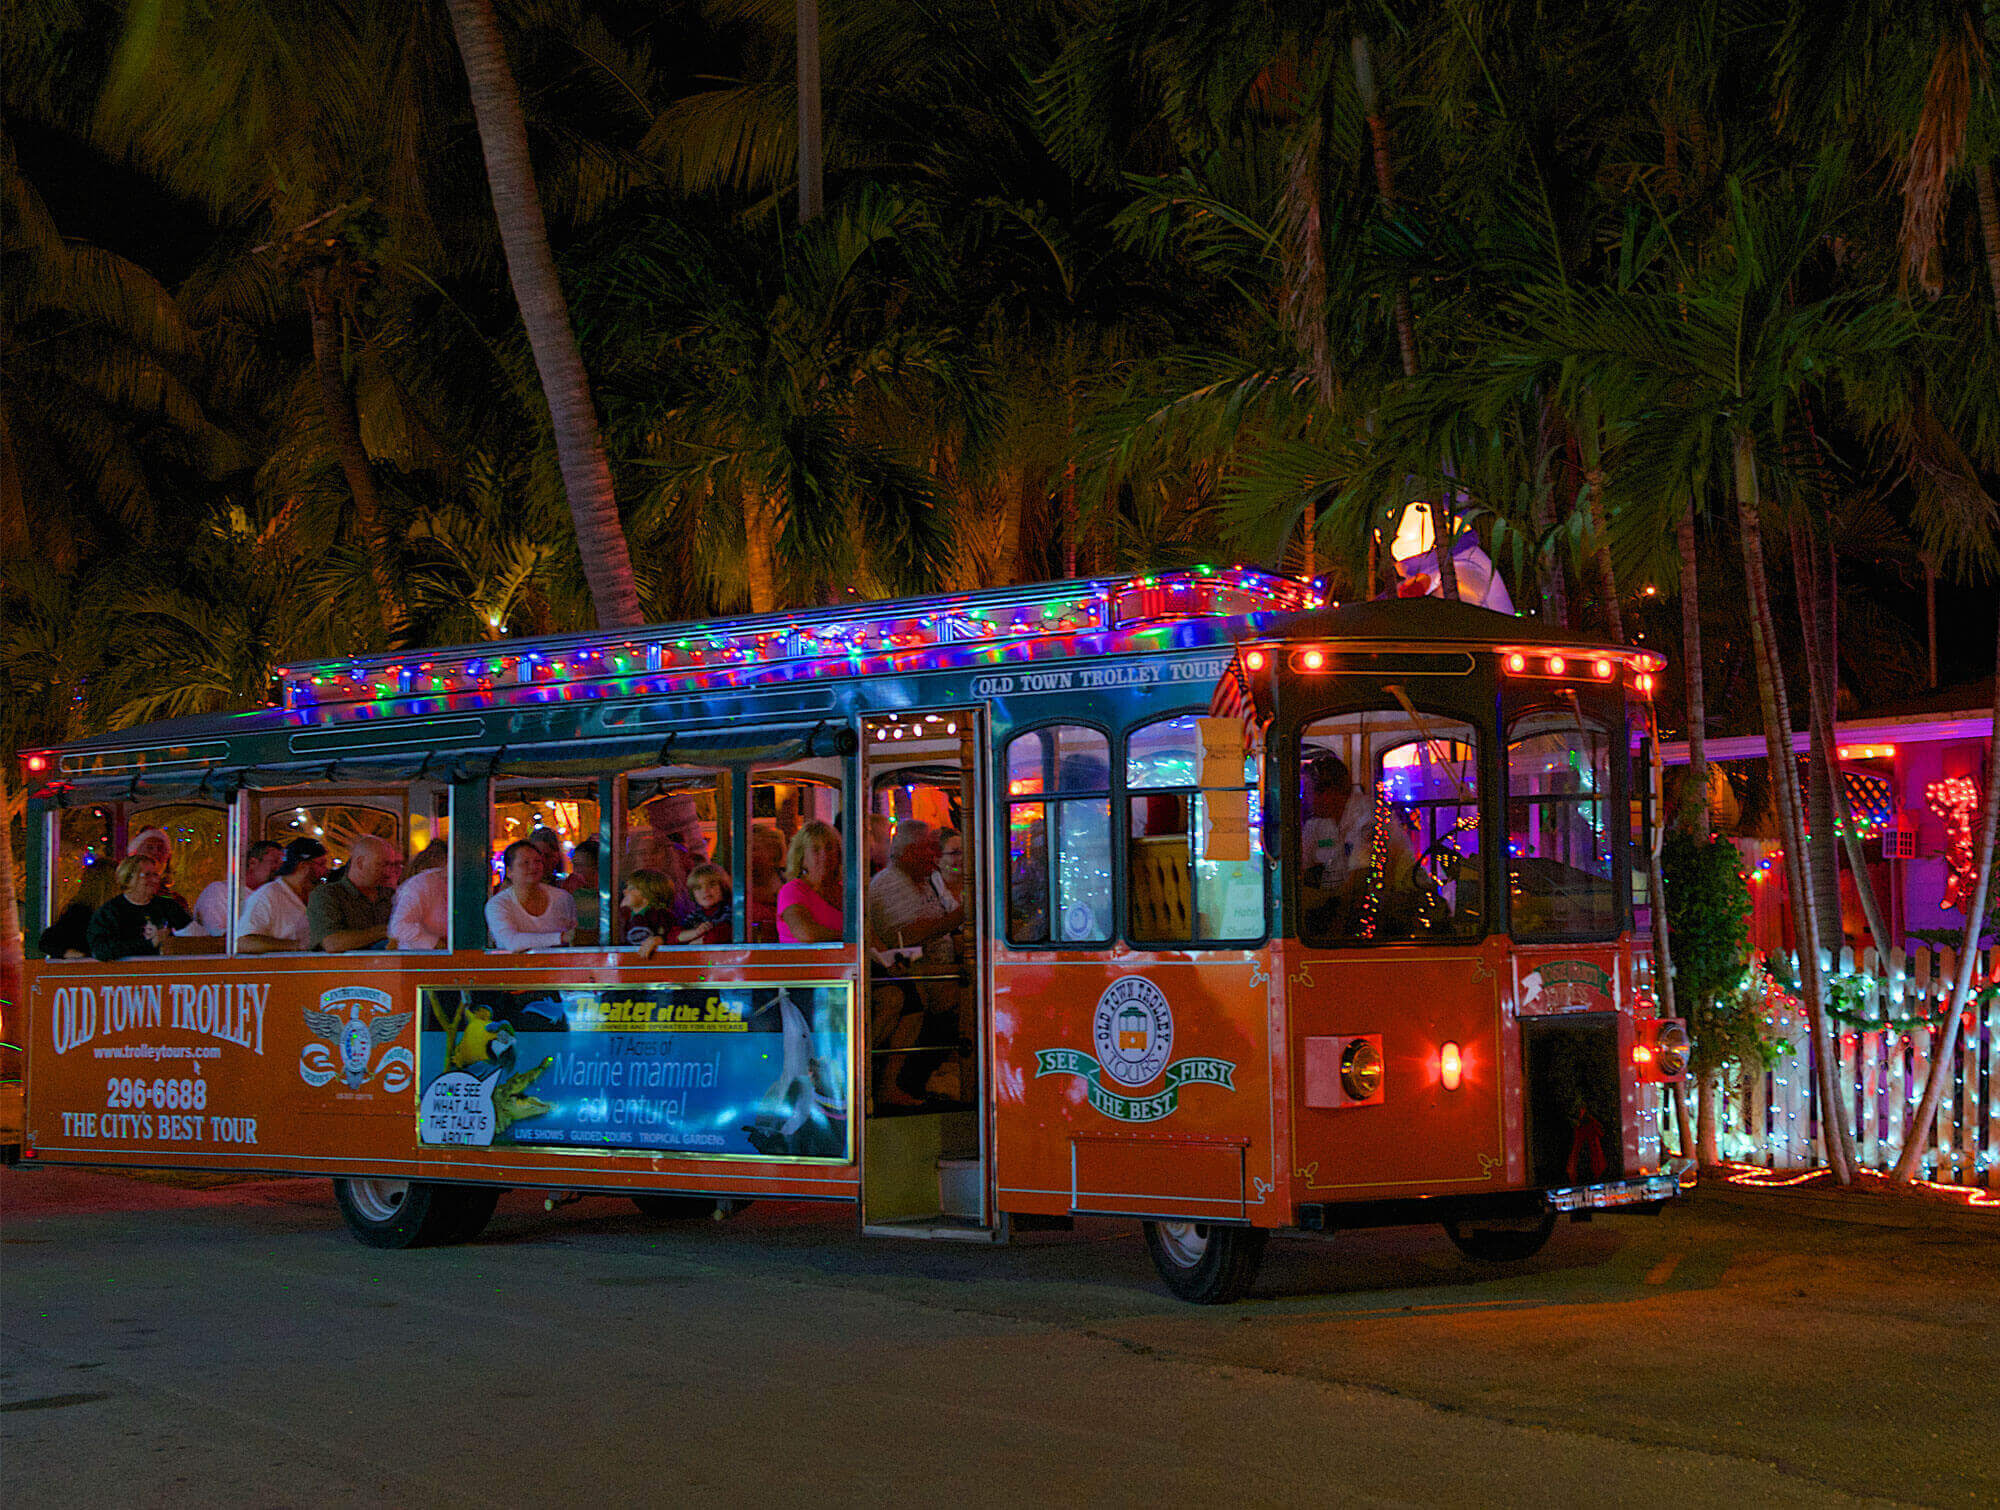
809	901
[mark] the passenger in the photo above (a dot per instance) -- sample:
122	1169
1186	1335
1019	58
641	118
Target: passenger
212	908
949	882
549	842
581	884
154	843
767	875
274	920
809	903
648	904
880	831
904	913
68	937
139	917
526	913
352	911
708	890
421	916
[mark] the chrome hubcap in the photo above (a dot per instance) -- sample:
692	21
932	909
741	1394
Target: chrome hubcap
378	1200
1186	1243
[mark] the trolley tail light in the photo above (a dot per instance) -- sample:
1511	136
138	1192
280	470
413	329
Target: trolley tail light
1451	1067
1660	1051
1343	1072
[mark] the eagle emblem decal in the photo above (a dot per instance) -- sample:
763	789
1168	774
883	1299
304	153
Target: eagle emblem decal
344	1047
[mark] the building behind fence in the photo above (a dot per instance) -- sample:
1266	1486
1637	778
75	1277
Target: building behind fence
1893	1017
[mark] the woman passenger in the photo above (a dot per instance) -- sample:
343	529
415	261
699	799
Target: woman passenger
809	902
139	917
526	913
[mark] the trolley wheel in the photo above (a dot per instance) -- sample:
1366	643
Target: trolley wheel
475	1205
1502	1241
1207	1264
674	1208
400	1213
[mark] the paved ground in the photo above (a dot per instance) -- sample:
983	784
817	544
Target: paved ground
235	1347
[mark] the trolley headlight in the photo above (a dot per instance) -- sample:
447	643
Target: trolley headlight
1361	1070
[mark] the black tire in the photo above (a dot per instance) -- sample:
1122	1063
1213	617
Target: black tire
399	1213
1203	1263
475	1205
1501	1243
674	1208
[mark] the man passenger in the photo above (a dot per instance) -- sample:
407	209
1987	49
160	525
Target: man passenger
906	913
273	920
352	911
213	906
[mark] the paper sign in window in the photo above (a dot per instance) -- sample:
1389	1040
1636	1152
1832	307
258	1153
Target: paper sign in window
1228	826
1221	752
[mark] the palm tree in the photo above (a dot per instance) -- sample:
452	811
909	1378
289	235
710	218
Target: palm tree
531	268
774	396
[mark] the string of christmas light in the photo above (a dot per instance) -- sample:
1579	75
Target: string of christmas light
846	641
1378	864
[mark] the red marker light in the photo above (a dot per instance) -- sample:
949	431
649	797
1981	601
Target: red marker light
1646	685
1451	1066
38	763
1600	668
1517	662
1254	660
1557	665
1312	660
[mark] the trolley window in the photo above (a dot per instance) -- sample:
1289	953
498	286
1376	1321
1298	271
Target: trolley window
1559	862
1389	829
1194	846
1059	836
674	885
797	824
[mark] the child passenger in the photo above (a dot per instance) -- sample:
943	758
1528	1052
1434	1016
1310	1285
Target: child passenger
648	905
708	889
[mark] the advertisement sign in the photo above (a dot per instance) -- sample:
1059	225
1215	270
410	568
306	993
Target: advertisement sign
723	1070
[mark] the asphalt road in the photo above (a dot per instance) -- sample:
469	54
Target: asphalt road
167	1346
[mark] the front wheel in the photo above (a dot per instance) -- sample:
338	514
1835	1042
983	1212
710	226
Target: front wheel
1501	1242
1207	1264
403	1213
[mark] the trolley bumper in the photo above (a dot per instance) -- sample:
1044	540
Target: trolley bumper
1658	1187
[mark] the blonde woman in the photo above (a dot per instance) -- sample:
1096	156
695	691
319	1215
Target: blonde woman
809	902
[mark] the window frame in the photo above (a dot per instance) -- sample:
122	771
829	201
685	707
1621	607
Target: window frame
1003	851
1611	725
1492	874
1122	841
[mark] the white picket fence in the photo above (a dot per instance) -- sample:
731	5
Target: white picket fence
1772	1119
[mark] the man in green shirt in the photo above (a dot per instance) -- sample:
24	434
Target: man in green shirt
352	911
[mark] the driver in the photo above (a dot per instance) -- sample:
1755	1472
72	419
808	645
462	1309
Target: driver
1336	846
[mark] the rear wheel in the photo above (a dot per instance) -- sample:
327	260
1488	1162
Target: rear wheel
674	1208
1502	1241
400	1213
1207	1264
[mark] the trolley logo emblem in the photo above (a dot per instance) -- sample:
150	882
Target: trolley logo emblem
1566	985
369	1024
1133	1032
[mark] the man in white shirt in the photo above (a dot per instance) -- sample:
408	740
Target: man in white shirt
905	914
274	918
212	907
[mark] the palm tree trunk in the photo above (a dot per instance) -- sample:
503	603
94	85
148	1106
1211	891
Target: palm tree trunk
1607	578
760	548
1791	827
1945	1049
812	166
1014	483
531	268
338	407
1385	188
1695	806
1989	228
